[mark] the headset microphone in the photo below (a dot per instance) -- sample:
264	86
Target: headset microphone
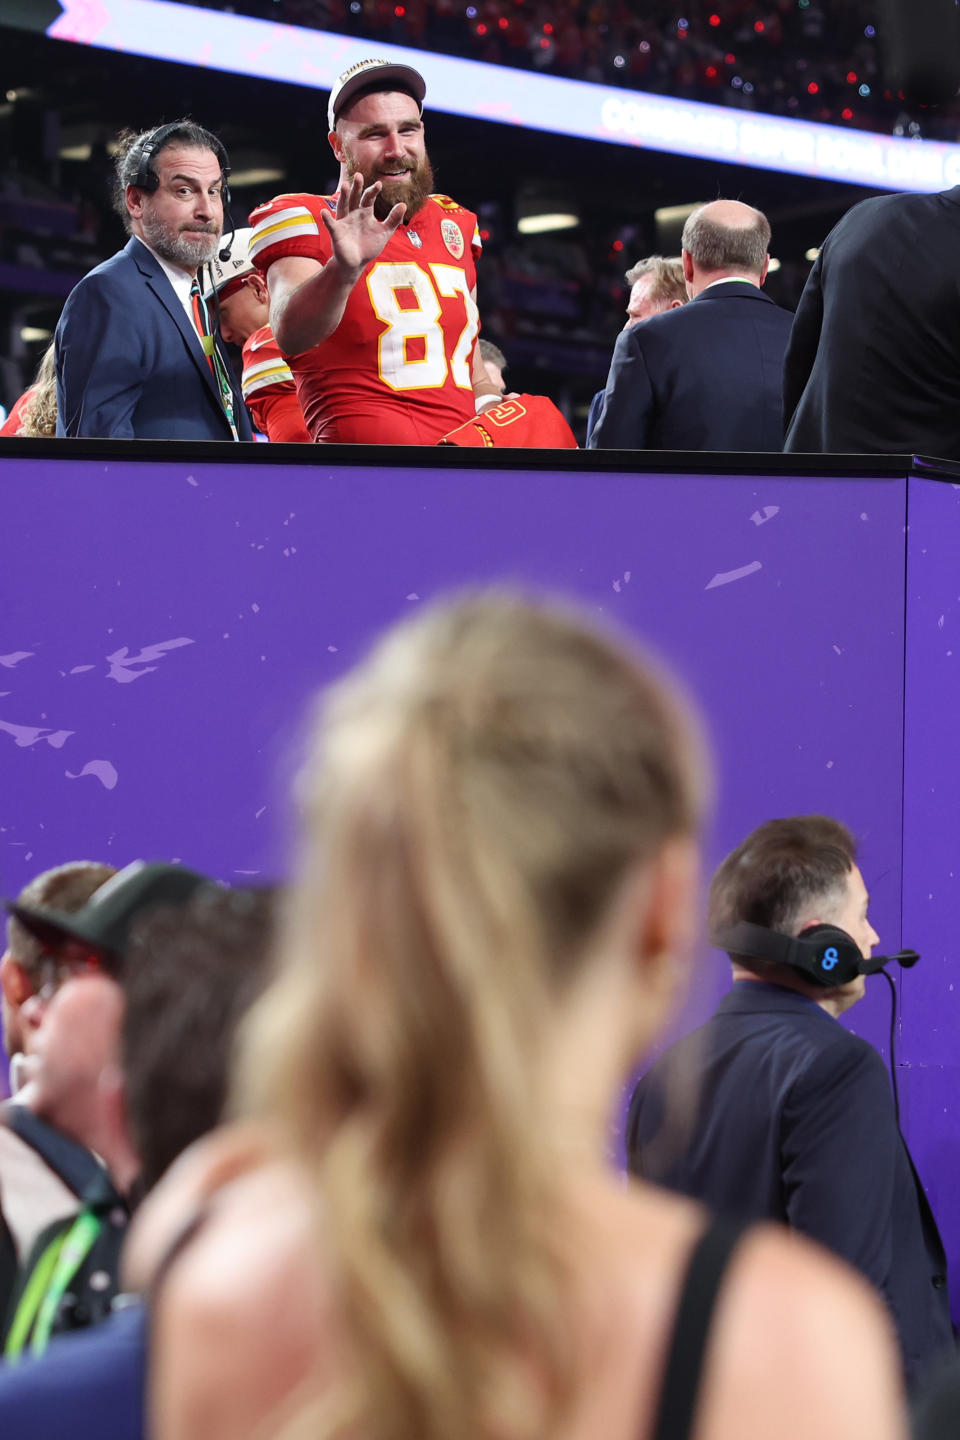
824	954
906	958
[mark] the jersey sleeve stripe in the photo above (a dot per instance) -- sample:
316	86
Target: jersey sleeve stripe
286	224
275	375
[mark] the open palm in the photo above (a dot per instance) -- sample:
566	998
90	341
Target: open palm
357	236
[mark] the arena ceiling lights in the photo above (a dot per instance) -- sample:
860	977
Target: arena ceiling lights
187	34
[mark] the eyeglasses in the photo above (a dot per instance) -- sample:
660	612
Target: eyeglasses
56	970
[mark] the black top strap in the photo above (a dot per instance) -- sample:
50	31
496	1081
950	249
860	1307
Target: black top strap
684	1368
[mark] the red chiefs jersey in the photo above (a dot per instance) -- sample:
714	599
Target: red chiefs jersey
269	389
522	420
398	368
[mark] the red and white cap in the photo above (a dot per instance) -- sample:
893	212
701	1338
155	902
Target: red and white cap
369	72
224	276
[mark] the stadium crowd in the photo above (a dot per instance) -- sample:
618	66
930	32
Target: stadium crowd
784	57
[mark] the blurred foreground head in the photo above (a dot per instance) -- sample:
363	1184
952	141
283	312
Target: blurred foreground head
501	814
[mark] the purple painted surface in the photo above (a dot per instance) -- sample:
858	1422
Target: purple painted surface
163	626
929	1054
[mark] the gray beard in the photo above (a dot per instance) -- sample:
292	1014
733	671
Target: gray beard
174	246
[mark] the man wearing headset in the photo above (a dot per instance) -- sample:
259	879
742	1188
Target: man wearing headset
135	353
772	1110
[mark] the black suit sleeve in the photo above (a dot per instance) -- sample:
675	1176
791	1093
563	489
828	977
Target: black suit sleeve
100	370
628	399
839	1146
803	343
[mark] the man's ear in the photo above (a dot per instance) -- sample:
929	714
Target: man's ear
14	981
687	260
134	198
336	145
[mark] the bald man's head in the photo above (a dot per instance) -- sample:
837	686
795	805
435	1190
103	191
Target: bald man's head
725	238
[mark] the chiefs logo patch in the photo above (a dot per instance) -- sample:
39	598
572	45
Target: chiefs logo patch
452	237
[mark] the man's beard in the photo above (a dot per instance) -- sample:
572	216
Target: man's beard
412	192
187	245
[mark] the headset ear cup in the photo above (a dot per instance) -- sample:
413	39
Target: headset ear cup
836	957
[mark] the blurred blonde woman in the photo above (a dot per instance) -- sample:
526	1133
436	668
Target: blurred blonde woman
35	413
425	1239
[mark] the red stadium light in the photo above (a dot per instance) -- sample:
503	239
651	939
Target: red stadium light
504	23
399	11
618	245
548	28
544	43
481	29
759	26
846	114
711	72
813	88
484	234
714	20
851	77
729	59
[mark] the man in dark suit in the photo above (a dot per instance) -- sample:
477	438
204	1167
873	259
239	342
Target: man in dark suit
873	363
772	1110
707	376
135	355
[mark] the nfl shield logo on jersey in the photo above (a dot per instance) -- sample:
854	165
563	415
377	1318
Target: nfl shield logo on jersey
452	237
414	239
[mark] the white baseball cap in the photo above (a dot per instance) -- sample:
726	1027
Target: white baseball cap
366	72
218	274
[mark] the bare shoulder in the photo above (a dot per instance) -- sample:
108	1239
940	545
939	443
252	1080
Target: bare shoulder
239	1319
799	1345
802	1345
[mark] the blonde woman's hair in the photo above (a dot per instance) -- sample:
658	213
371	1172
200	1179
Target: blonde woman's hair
480	788
39	415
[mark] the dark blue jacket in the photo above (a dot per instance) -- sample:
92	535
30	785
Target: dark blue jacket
129	362
793	1120
88	1386
707	376
873	363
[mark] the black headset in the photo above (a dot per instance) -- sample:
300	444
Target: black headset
147	179
824	954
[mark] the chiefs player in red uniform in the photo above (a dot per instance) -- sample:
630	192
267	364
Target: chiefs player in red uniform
241	310
373	290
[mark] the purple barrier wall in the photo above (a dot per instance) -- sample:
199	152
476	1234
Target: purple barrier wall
929	1055
164	625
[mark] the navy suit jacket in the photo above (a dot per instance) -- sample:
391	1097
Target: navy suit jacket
130	364
873	363
793	1120
707	376
88	1385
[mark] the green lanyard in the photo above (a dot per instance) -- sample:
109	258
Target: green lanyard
47	1285
208	342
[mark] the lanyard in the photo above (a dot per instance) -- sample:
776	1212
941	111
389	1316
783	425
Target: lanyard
214	358
47	1285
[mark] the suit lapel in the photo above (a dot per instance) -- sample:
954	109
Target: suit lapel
164	292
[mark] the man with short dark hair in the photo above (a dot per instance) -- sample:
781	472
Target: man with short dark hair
192	974
40	1175
793	1117
708	375
71	1106
373	290
135	354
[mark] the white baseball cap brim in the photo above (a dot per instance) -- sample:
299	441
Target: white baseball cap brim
368	72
